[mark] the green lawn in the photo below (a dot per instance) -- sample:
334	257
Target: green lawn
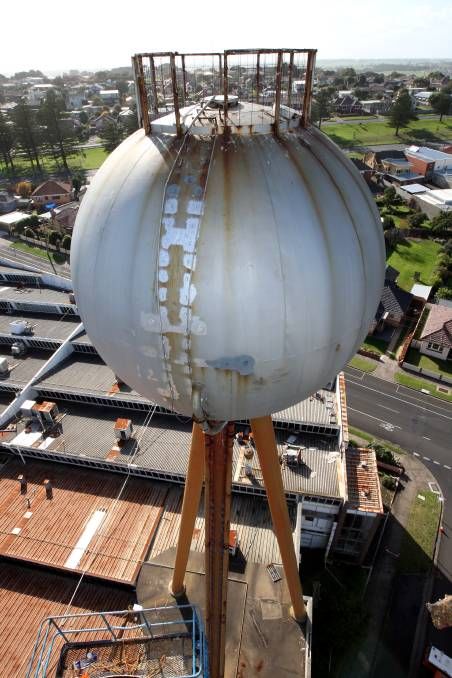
376	345
419	539
414	255
362	363
421	384
90	158
432	364
57	257
374	133
371	439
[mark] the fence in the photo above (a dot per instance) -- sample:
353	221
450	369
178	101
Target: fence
427	373
44	245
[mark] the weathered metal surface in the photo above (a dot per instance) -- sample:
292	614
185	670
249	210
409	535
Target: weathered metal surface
280	257
218	470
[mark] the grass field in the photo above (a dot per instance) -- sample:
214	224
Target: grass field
376	345
428	363
414	255
421	385
419	539
57	257
89	158
375	133
362	363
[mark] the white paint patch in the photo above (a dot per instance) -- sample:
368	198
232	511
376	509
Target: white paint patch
171	206
163	275
4	289
195	207
163	293
88	533
26	439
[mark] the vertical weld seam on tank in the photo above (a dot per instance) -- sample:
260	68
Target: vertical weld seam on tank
352	219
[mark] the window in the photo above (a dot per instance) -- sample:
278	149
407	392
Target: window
434	347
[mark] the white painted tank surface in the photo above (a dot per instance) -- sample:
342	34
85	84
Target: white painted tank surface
233	279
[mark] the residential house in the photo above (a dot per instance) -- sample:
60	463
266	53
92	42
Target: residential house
101	121
39	92
8	202
364	170
375	106
110	97
52	191
76	97
435	338
347	105
394	305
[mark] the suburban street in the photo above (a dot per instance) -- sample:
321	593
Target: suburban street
421	425
17	257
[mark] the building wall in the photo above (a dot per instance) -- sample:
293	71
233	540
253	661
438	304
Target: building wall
421	166
442	355
59	199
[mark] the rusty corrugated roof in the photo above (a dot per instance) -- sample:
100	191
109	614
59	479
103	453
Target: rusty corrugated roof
363	483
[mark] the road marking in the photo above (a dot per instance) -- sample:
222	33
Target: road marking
448	467
437	463
426	458
376	418
425	438
387	395
416	454
387	408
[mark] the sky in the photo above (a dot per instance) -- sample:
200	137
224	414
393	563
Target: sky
100	34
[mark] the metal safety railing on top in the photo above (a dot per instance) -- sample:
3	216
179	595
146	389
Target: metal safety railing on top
248	90
164	641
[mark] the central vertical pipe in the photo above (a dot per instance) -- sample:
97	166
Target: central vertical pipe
218	482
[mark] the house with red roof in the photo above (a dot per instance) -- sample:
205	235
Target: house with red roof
52	191
435	338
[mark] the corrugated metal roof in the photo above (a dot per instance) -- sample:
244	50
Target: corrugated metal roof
38	295
250	516
163	446
29	595
44	327
57	531
22	369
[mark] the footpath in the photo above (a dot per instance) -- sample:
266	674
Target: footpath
395	601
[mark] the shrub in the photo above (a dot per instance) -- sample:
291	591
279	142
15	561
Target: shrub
389	482
444	293
66	242
383	454
54	238
29	232
416	220
388	223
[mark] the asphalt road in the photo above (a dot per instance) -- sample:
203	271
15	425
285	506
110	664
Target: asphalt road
421	425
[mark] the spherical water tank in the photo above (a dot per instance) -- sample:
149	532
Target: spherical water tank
233	277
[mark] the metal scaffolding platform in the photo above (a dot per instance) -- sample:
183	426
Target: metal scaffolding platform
163	642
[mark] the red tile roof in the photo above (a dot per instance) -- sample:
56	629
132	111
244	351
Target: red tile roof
52	187
363	484
438	326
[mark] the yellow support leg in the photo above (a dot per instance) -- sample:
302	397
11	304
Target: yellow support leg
264	437
190	505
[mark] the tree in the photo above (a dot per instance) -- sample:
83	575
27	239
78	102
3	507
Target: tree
58	135
77	182
23	188
123	87
54	238
442	222
441	103
417	219
401	112
323	104
66	242
388	223
112	135
444	293
421	82
27	132
6	141
83	117
389	196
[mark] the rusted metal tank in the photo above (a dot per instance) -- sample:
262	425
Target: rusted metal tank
227	275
